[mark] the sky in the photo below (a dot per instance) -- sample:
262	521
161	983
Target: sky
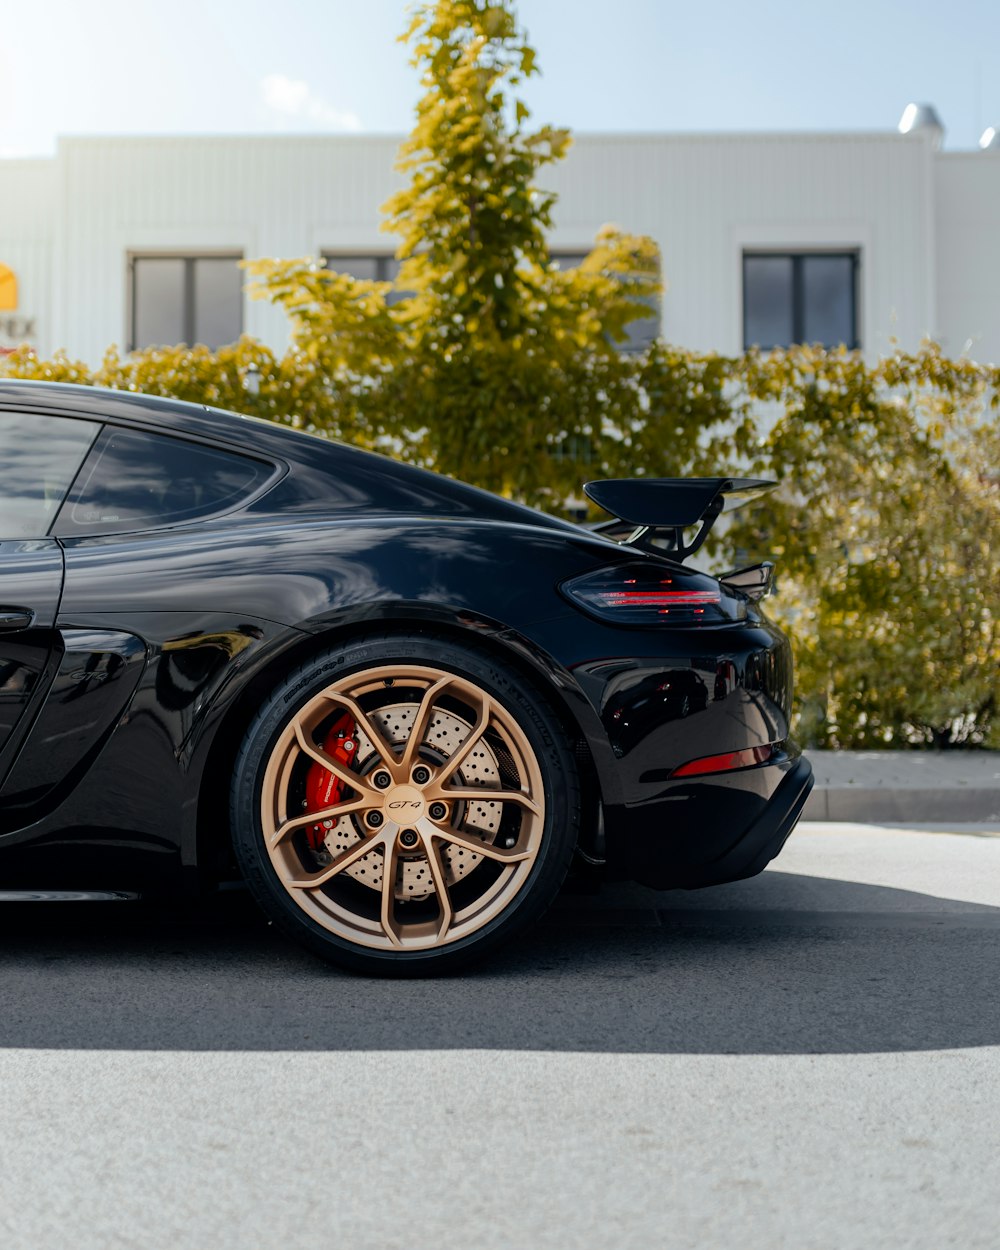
70	67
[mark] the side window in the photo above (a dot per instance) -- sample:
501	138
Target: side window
39	458
135	480
643	331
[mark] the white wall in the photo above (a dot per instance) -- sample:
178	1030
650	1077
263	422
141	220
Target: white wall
288	196
967	187
28	206
706	197
925	222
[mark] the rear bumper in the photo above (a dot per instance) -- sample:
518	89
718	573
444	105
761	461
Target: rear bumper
718	828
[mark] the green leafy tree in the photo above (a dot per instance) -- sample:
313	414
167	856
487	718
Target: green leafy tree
495	365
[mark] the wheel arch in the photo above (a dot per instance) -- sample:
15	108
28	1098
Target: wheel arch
214	856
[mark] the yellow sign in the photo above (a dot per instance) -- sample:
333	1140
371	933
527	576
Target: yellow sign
8	289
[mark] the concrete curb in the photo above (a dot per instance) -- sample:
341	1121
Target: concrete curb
864	806
902	786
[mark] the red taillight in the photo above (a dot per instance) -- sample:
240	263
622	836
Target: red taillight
725	762
653	593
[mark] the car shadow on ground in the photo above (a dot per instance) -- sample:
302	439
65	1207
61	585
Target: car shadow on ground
785	964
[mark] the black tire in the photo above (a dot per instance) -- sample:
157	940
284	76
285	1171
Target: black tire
527	844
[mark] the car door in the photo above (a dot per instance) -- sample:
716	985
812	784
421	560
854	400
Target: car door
39	458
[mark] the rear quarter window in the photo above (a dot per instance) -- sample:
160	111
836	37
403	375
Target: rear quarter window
136	480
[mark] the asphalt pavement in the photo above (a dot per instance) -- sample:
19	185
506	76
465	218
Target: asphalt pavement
810	1059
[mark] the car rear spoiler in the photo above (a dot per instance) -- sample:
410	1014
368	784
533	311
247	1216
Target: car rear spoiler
654	512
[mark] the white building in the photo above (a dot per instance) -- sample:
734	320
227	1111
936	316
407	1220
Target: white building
867	238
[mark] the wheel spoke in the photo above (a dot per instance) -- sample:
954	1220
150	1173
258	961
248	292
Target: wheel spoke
367	726
461	752
504	854
420	723
323	813
331	765
432	850
477	794
390	865
344	860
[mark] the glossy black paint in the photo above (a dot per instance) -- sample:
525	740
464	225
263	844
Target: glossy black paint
701	831
31	575
97	675
132	691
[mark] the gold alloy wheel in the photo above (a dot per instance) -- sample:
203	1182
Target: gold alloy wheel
437	820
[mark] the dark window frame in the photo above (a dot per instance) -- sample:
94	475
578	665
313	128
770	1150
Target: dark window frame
798	256
190	260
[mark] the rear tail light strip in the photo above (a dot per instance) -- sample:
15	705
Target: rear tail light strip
626	598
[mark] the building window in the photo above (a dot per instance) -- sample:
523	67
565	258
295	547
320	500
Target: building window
186	299
641	332
370	268
800	297
374	267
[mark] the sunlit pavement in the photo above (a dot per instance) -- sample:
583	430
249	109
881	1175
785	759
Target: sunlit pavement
807	1059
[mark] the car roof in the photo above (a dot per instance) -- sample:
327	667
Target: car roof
174	416
306	454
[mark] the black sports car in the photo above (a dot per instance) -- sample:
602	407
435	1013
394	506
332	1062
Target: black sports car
397	705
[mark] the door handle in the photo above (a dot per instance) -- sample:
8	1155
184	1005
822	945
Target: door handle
16	618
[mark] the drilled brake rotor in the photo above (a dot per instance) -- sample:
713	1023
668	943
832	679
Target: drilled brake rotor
444	736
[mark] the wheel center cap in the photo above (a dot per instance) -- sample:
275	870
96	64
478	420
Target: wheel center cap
404	805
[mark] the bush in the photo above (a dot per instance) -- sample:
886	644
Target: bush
887	533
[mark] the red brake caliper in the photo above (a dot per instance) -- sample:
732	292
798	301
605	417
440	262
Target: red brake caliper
323	789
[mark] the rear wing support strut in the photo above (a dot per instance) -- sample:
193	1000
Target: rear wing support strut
660	509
